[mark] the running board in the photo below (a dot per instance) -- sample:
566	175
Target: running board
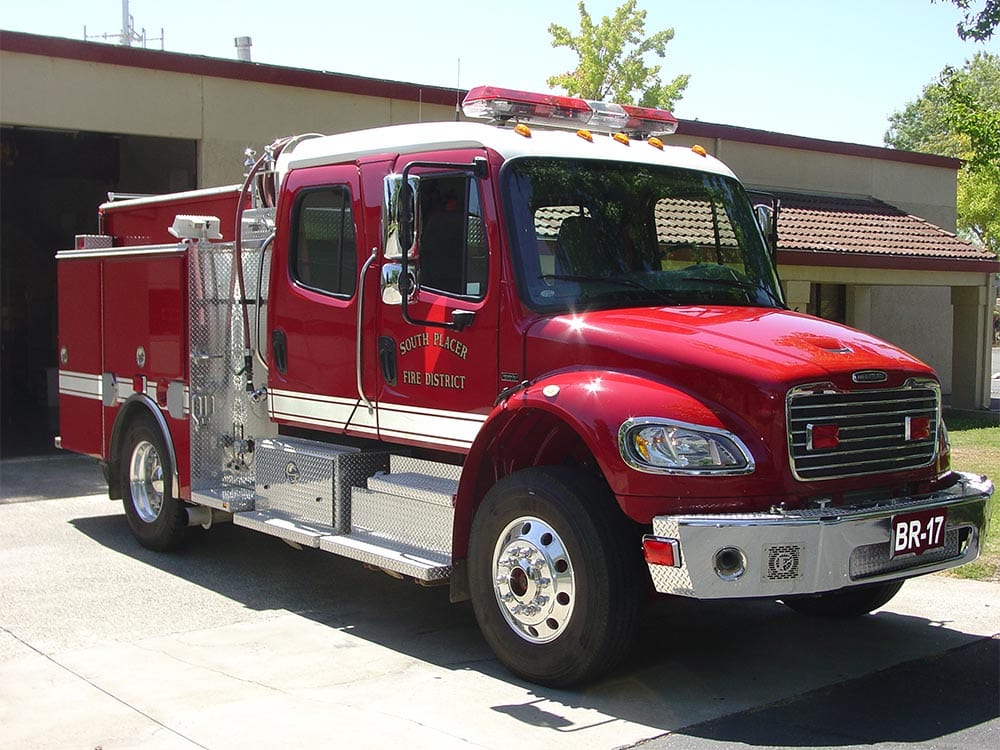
420	564
424	565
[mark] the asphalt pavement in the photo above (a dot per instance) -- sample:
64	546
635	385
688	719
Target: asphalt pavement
240	641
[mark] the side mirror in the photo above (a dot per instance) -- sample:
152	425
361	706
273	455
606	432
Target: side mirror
406	216
399	216
765	218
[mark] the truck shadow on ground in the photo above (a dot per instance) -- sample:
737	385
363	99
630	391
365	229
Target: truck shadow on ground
748	672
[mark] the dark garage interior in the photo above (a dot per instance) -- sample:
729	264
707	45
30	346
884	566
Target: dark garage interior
51	183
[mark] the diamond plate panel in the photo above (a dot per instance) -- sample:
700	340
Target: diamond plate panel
224	419
419	524
667	579
873	559
312	481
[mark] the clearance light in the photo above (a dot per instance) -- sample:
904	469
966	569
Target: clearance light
700	150
655	142
621	138
522	129
502	105
586	135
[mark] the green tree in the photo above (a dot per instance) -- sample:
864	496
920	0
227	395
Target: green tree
612	59
978	25
958	115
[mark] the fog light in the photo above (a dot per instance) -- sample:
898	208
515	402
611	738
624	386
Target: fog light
730	563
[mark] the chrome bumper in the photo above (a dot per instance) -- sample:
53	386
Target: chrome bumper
810	551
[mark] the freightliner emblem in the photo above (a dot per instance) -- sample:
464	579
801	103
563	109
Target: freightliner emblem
869	376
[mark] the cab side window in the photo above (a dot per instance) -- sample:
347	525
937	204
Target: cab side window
324	248
454	258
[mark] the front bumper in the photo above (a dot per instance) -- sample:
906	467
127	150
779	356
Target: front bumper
787	553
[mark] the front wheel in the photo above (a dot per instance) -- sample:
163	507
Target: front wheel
555	575
157	519
851	602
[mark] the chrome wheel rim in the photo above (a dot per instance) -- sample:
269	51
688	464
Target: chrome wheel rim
533	580
146	481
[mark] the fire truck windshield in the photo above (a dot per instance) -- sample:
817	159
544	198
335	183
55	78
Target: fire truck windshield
591	234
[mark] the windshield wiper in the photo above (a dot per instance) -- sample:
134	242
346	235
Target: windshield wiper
746	286
664	295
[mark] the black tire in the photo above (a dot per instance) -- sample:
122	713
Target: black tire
157	520
553	541
850	602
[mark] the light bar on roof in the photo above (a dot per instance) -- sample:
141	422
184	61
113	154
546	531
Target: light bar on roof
493	103
650	121
501	105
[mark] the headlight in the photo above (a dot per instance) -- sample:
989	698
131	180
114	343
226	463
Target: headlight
661	447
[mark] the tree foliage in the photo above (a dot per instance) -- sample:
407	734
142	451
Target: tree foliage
978	24
958	115
612	59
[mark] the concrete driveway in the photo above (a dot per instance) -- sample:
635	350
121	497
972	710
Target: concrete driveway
240	641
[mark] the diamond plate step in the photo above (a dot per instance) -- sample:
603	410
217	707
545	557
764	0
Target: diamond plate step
423	487
284	526
399	558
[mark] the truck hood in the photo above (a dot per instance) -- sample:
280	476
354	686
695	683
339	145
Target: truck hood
717	353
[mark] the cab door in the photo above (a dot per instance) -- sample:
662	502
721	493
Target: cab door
313	303
438	353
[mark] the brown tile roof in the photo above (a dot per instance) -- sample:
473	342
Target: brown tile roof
865	226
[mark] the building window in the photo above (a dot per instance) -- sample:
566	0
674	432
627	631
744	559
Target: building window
324	248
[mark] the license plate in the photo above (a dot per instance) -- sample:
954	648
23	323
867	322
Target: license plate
915	533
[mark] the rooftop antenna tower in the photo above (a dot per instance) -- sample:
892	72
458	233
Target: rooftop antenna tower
128	34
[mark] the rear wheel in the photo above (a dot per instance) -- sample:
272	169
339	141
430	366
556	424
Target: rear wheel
555	575
852	602
157	520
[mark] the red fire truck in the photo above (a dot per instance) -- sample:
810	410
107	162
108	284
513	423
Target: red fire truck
551	367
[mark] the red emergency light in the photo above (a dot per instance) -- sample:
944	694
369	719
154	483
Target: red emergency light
502	105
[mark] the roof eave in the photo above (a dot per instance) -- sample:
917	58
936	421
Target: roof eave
893	262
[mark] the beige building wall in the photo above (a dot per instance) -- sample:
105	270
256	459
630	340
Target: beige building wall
919	320
224	115
921	190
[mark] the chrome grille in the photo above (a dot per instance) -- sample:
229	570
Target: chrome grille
871	429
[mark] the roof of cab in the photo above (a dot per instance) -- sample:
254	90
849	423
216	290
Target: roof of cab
449	136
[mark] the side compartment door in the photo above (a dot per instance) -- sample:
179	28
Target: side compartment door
313	303
81	361
438	382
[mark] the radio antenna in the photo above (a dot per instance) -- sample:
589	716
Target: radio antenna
458	89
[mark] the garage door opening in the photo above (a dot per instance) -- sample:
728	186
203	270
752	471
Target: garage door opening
53	182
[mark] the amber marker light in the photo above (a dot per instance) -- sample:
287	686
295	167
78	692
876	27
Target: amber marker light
621	138
655	143
522	129
586	135
700	150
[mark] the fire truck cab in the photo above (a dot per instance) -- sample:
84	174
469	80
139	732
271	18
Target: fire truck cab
551	368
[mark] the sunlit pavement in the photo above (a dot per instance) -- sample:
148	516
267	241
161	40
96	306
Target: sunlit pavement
242	642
